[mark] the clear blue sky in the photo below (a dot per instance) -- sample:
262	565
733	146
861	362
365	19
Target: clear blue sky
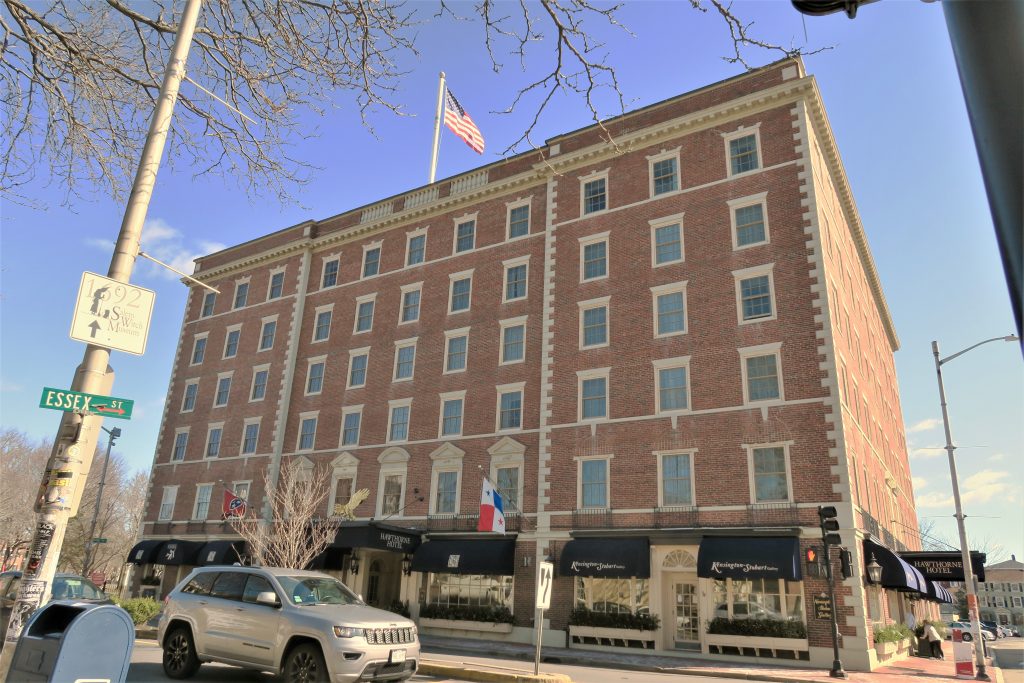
894	100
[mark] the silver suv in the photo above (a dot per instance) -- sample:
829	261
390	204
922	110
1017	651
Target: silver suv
306	626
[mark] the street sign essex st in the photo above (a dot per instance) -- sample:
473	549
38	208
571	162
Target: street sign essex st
91	404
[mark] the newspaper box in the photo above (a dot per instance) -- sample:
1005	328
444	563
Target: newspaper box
963	652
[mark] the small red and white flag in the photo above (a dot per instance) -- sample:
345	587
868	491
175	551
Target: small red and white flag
492	516
234	506
460	123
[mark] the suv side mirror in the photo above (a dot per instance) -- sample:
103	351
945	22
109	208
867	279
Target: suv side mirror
268	598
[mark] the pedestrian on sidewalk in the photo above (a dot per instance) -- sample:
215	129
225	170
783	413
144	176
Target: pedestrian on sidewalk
934	641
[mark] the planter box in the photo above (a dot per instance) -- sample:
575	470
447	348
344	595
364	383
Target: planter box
611	637
758	646
462	625
889	650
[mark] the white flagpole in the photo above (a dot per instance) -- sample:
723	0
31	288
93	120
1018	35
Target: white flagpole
437	128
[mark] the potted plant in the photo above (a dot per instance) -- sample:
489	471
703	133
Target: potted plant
624	629
890	639
761	634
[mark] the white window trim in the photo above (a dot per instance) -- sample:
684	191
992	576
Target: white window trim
399	345
452	279
184	395
326	308
227	334
508	452
659	456
448	336
238	283
589	178
248	490
594	374
594	239
451	396
409	236
742	203
359	301
202	305
456	222
513	263
504	325
668	364
509	207
745	274
263	323
675	219
252	382
352	353
588	305
166	499
393	461
195	341
310	362
447	458
312	414
407	289
662	290
174	443
229	375
505	389
270	281
398	403
345	411
345	466
379	244
607	480
245	425
785	445
206	445
742	132
330	258
662	156
762	350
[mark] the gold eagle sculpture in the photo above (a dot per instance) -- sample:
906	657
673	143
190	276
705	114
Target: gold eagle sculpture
348	510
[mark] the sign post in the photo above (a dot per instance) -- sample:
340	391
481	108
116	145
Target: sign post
545	576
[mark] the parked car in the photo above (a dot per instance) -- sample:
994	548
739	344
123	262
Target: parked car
986	633
65	587
992	628
304	625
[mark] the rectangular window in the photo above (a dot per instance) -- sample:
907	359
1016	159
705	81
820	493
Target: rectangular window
507	481
307	433
455	358
392	503
511	410
451	418
209	300
231	343
749	225
411	306
199	351
595	196
756	297
202	509
465	236
213	442
276	285
461	294
762	378
515	282
188	401
330	273
743	154
259	385
519	221
595	398
180	444
343	490
595	326
371	262
672	390
473	590
322	328
594	484
315	378
671	314
668	244
267	335
447	487
241	294
223	391
416	250
676	482
364	316
398	429
405	359
250	438
357	370
770	480
167	503
513	343
770	599
665	176
350	428
595	260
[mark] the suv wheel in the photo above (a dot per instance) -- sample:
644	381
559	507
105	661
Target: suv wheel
305	664
180	660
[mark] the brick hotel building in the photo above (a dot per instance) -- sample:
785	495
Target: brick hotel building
665	353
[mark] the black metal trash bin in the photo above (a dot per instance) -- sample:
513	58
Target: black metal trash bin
68	641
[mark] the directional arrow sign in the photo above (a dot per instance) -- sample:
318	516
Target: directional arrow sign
112	314
79	402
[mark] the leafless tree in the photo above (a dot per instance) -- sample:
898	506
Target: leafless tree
78	78
22	462
934	540
298	529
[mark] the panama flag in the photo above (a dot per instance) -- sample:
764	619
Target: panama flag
492	517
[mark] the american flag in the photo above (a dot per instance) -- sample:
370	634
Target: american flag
460	123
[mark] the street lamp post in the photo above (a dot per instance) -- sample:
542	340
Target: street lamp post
965	550
112	434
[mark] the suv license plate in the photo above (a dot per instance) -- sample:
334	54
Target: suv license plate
397	657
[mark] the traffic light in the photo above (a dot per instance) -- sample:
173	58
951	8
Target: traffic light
829	525
846	563
813	558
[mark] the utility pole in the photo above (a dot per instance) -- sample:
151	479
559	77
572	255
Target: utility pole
75	444
111	435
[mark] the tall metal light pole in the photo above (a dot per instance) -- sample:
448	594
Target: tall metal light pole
965	549
112	434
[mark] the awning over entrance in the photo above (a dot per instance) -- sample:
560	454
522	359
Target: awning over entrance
467	556
221	552
377	536
945	566
896	573
175	552
606	558
143	552
749	557
938	593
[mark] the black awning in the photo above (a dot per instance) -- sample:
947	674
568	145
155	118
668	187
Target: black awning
143	552
175	552
937	593
606	558
945	566
749	557
467	556
330	558
221	552
896	573
377	536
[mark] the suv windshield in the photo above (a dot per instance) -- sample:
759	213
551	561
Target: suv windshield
317	590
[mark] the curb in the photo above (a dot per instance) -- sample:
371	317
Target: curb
462	673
